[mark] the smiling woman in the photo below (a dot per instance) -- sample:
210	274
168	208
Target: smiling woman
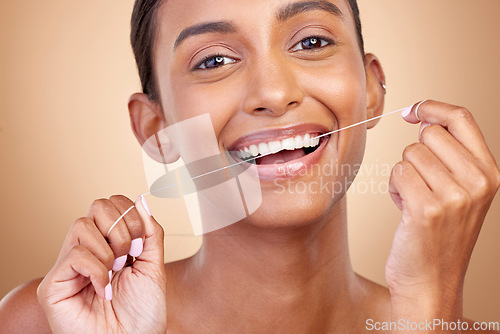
277	79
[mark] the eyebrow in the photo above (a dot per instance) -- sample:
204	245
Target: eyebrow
284	14
205	28
296	8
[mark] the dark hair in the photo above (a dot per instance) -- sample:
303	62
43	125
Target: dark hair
143	35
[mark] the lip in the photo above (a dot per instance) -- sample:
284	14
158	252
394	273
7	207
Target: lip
291	168
276	134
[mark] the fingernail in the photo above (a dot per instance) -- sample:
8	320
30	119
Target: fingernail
108	292
119	263
406	111
145	205
136	248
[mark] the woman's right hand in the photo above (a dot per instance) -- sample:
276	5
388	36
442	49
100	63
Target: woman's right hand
75	294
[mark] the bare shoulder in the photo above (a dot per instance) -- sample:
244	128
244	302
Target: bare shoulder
476	327
20	311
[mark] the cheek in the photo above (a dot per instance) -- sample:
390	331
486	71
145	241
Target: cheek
341	88
193	100
340	85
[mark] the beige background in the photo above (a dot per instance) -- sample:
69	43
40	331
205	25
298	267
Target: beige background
67	71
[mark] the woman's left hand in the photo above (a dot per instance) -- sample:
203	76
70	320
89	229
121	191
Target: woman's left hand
444	187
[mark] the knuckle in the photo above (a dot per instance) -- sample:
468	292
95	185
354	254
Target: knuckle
82	224
401	167
458	199
483	188
100	204
119	198
432	212
463	113
411	150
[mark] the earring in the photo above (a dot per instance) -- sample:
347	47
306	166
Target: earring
384	87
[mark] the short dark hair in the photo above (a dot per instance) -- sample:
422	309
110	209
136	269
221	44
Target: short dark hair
143	35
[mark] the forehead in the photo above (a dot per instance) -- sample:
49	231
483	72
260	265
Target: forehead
174	16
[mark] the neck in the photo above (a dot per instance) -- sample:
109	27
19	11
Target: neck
301	273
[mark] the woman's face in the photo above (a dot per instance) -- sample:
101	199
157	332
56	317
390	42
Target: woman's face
270	71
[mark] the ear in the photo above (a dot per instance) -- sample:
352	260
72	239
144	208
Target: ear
149	123
375	91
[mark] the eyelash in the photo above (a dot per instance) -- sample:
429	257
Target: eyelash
322	39
213	56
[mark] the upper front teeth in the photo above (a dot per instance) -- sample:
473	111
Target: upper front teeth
291	143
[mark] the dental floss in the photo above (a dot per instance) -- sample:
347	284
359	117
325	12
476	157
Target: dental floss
416	109
246	160
116	222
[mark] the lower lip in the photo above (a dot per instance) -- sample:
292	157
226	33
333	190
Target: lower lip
292	168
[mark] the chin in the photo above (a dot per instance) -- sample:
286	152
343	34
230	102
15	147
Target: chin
292	208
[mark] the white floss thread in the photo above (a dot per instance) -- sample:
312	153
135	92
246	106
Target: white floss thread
260	156
416	109
116	222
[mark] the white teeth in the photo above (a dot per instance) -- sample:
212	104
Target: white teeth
288	144
254	150
292	143
307	140
274	147
299	142
263	148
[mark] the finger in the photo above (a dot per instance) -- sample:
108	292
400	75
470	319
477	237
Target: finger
85	233
154	236
462	165
430	168
133	222
73	273
410	114
407	188
104	213
458	121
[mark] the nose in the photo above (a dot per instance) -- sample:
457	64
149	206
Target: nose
272	88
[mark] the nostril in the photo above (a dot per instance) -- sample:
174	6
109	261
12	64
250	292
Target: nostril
260	109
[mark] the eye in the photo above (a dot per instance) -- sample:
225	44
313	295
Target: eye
216	61
312	43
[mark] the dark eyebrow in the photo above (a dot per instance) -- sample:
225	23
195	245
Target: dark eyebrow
295	8
204	28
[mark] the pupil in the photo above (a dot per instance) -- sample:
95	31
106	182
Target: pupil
219	59
311	43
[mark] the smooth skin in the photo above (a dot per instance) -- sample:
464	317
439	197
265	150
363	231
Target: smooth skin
286	268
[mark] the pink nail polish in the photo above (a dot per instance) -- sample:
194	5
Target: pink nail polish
145	205
406	111
119	263
108	292
136	247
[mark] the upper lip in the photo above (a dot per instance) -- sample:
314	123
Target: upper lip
276	134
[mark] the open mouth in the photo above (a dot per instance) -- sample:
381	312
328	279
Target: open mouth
280	151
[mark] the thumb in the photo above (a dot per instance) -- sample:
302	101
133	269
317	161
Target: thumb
154	235
410	114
